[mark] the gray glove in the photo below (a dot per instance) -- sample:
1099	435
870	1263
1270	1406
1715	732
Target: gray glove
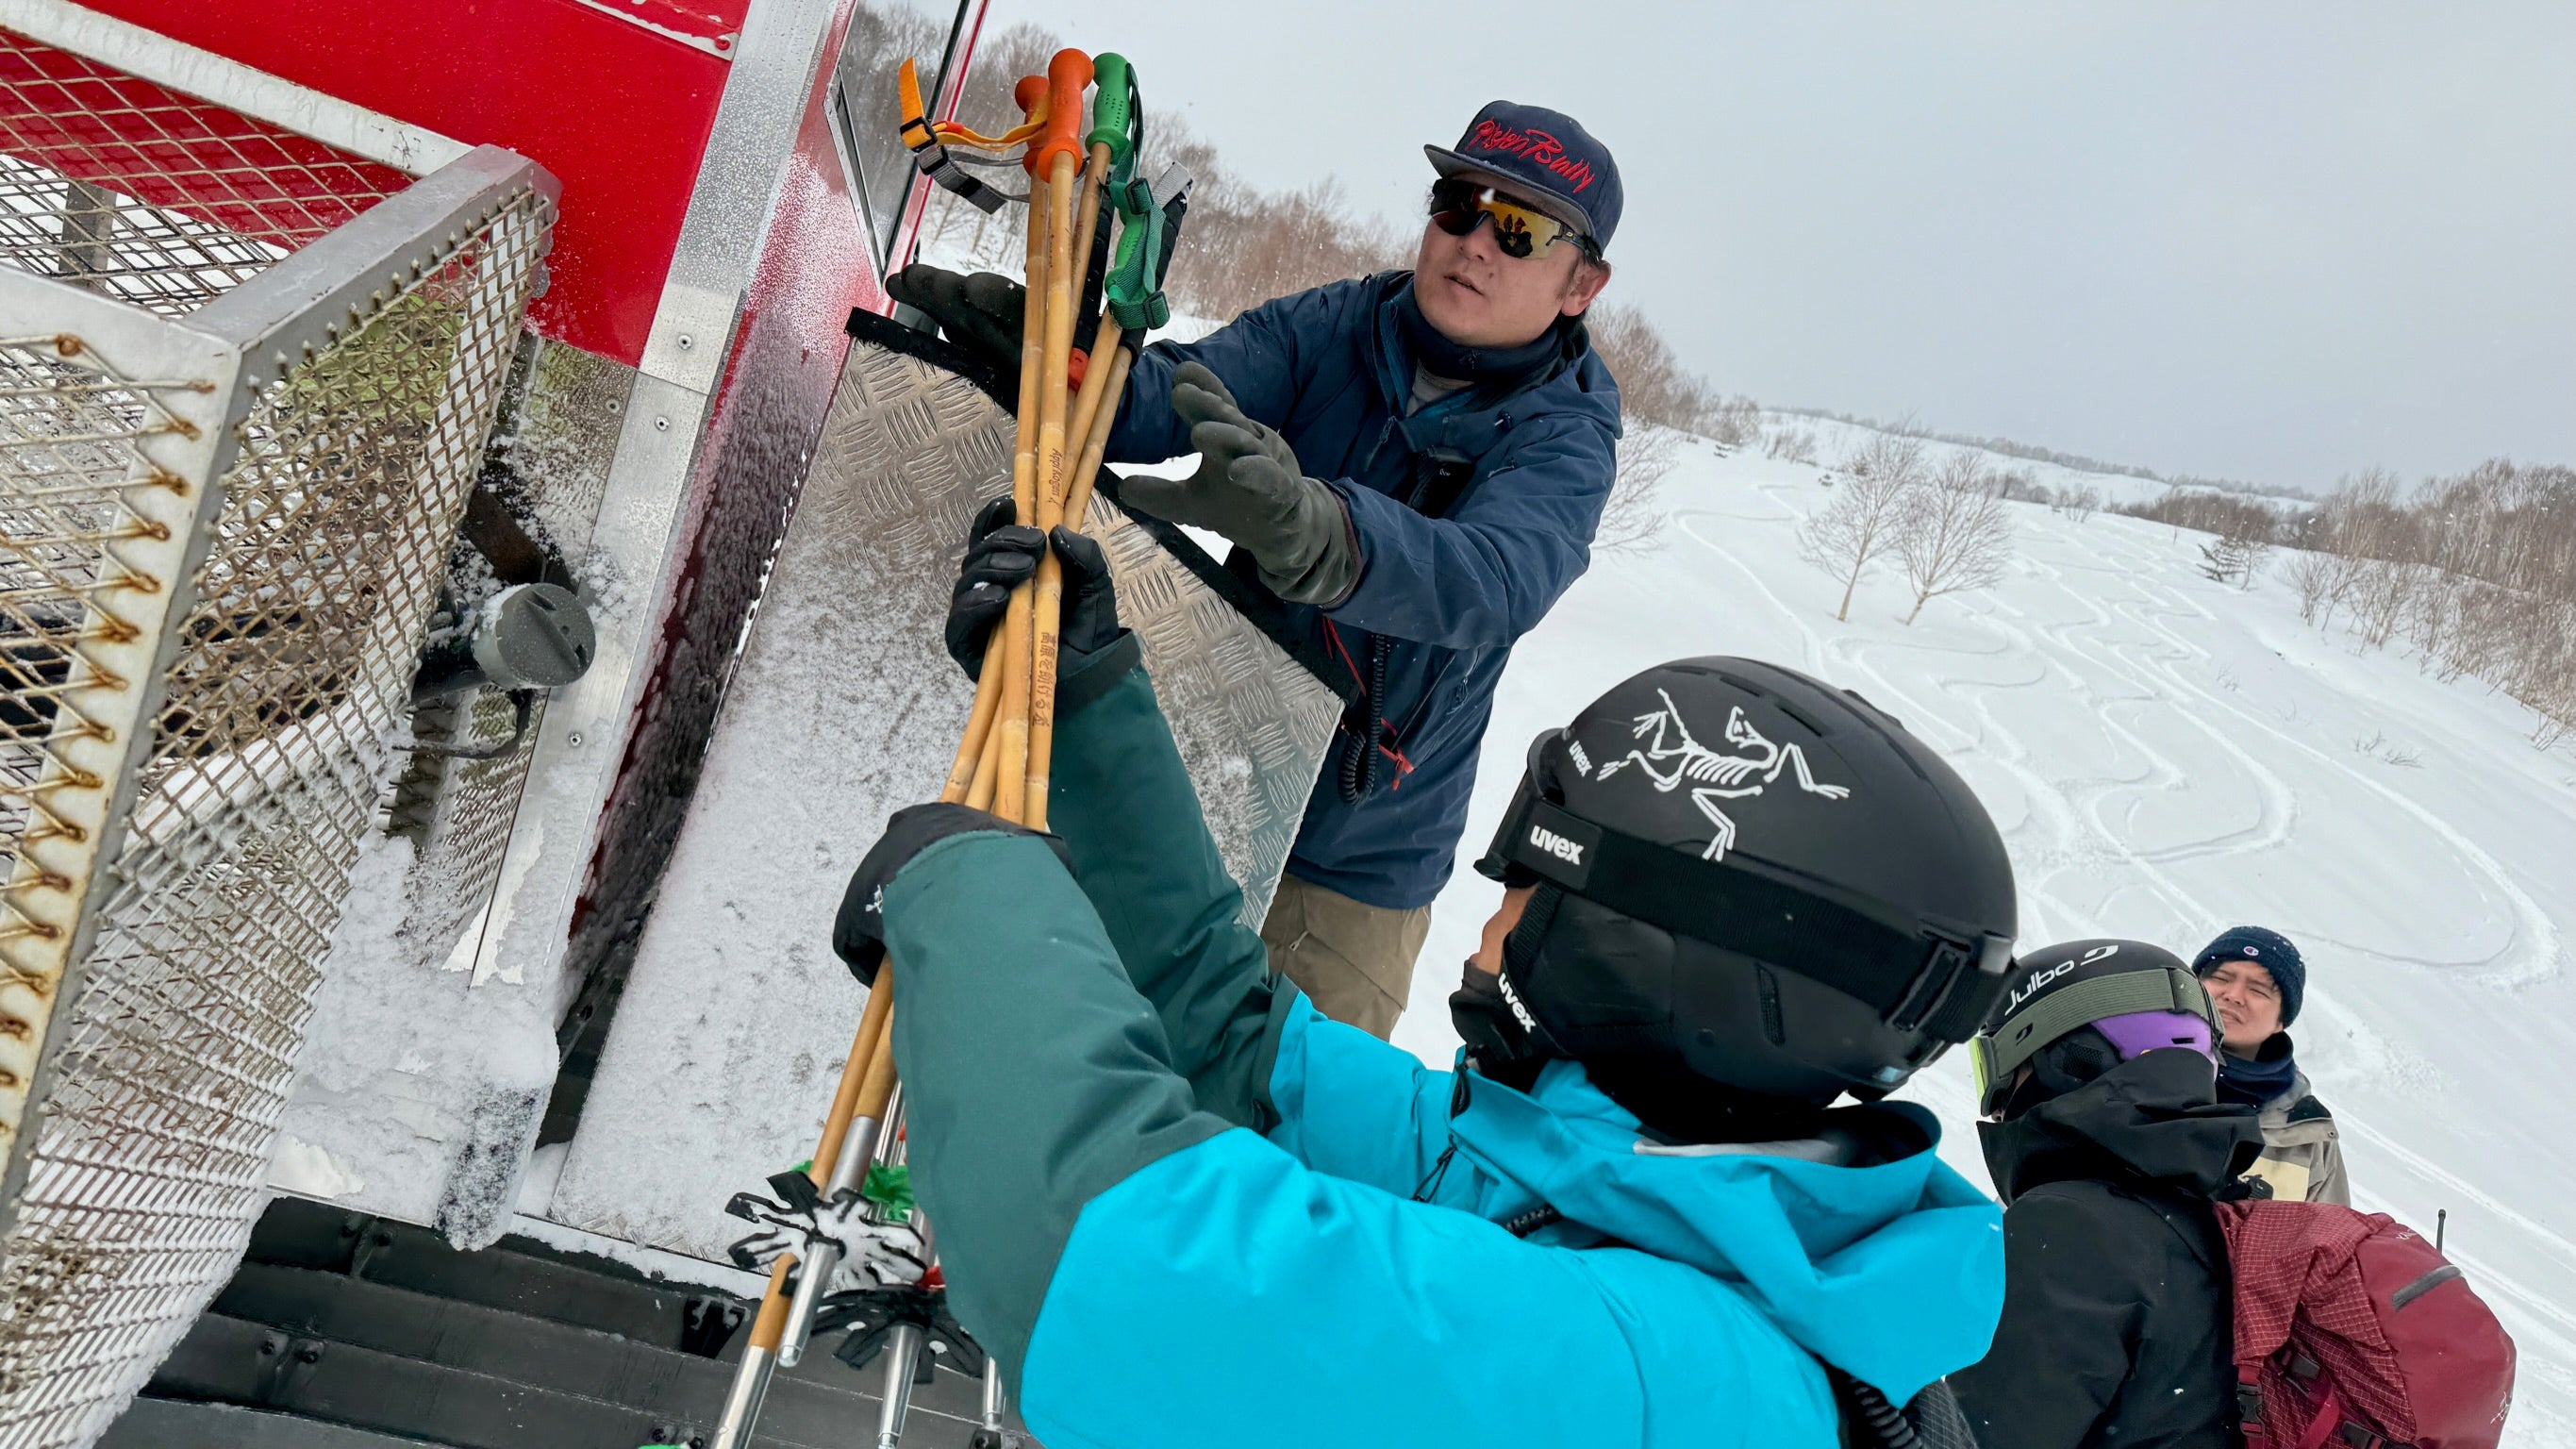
1250	489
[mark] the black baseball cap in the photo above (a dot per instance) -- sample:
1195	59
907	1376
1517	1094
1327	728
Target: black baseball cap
1543	157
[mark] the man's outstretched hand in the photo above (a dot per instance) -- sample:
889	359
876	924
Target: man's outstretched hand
1250	489
984	313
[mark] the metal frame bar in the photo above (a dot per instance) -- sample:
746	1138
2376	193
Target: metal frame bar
302	306
91	770
231	84
294	310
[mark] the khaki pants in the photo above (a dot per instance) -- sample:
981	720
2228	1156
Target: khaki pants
1354	961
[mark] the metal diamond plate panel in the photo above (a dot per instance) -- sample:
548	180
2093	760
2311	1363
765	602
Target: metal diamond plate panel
845	707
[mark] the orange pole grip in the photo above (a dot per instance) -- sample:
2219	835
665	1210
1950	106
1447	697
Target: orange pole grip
1068	76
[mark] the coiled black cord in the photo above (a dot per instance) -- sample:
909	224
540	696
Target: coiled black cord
1881	1421
1359	758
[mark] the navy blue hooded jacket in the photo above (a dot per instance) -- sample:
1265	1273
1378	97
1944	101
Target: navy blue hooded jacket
1331	370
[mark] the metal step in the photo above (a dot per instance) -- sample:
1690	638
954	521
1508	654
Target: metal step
464	1375
519	1275
178	1424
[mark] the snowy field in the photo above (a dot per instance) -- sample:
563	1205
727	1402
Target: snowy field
2167	756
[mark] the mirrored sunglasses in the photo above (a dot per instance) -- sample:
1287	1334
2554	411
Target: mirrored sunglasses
1459	206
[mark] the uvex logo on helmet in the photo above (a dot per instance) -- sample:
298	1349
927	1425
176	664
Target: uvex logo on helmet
1569	851
1533	144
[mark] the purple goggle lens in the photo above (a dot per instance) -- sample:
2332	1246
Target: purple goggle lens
2140	1032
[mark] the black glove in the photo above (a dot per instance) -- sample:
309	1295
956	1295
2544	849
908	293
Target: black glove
986	313
1000	556
858	932
1250	489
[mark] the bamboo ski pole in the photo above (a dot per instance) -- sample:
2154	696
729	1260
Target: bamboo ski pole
1013	724
1058	151
870	1124
1002	761
868	1076
979	726
859	1097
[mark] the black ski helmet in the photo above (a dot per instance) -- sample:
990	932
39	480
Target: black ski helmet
2136	997
1752	887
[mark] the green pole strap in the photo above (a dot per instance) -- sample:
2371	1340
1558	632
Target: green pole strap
1134	298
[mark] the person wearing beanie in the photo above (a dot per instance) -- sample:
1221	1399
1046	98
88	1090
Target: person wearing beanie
2257	979
2108	1145
1410	467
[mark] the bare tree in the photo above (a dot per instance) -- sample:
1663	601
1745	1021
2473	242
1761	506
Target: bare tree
2079	502
1953	534
2379	598
2315	577
1736	422
1633	520
1862	522
1790	445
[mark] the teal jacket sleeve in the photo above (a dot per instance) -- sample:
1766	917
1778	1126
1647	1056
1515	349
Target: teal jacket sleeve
1147	1271
1253	1050
1126	809
1151	1277
1229	1293
1035	1078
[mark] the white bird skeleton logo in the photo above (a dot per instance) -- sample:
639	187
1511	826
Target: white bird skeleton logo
1718	777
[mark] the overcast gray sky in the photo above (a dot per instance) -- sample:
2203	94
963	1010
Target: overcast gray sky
2260	240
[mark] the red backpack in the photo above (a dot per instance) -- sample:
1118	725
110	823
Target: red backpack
2352	1332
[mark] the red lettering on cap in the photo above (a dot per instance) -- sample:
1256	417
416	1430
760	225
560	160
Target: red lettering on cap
1533	145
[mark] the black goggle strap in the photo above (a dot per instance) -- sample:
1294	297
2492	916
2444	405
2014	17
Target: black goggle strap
2019	1037
1918	981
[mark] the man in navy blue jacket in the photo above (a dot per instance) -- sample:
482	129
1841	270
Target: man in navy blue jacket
1413	464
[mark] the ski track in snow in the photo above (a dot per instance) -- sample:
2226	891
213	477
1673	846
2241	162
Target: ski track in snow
2094	699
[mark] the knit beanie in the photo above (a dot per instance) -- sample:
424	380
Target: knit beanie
2268	949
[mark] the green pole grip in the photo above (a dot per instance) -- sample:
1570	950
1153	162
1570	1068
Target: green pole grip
1112	110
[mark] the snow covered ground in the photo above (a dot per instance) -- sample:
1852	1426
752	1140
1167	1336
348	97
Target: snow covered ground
2168	756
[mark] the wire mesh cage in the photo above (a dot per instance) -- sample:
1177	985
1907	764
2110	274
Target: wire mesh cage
228	490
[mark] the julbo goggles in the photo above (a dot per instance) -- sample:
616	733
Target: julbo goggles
1459	206
2136	1012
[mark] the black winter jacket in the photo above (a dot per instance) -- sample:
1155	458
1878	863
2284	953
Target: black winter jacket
2116	1328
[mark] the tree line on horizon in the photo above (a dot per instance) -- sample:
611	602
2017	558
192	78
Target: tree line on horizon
2477	573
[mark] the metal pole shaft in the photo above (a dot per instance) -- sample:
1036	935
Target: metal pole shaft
990	1435
742	1406
863	1149
903	1348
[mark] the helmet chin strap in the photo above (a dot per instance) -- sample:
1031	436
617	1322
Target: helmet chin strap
1505	1043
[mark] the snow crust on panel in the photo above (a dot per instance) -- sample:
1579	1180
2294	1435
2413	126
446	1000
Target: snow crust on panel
2168	756
737	1018
410	1098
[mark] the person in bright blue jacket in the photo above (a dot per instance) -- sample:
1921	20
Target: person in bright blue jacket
1413	466
1181	1206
